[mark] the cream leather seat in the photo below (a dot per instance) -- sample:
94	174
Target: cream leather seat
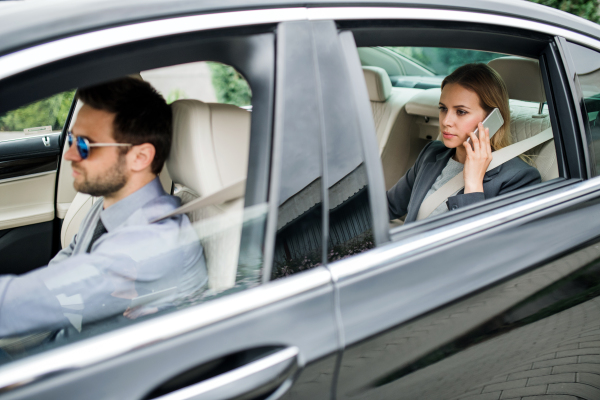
526	90
398	146
209	153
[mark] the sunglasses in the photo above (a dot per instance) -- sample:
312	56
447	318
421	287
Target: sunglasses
84	146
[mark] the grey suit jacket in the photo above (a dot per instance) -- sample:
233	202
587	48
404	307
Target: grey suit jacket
406	196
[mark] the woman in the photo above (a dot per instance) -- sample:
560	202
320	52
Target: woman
469	94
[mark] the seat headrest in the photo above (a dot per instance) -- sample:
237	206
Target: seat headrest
378	83
522	77
210	145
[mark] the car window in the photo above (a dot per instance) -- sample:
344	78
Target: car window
176	262
420	67
587	76
38	118
406	117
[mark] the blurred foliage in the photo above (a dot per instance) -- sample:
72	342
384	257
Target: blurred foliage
444	60
51	111
230	86
587	9
175	94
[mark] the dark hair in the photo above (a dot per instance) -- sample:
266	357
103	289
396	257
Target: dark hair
141	114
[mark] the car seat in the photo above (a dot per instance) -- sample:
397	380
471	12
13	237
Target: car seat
209	153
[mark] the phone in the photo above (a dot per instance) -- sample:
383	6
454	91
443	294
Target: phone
493	122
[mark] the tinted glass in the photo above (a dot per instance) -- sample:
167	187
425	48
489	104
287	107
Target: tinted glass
136	264
587	70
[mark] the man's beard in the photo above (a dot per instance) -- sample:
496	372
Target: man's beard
110	182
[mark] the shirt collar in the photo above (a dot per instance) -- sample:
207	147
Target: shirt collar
116	214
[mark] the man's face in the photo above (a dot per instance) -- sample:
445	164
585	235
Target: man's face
104	171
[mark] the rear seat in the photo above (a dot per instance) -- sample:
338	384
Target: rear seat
398	146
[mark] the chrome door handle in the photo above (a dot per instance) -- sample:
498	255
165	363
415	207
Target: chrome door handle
46	141
279	366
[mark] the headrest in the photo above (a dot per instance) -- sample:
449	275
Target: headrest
378	83
522	77
425	103
210	145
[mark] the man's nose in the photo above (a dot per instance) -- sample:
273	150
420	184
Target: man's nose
72	154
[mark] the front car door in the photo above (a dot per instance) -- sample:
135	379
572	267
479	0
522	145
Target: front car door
257	338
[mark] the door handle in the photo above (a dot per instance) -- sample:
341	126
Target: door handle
267	373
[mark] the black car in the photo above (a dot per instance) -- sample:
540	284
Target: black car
313	293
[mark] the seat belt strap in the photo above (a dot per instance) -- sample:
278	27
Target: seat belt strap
228	193
500	157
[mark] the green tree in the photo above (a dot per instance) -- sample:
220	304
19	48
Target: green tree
51	111
230	87
587	9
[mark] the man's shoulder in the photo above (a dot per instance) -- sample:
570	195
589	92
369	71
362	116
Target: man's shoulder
160	206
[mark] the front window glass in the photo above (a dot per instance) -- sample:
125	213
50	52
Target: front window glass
126	263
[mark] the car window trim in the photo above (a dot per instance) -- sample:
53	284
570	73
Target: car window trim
110	345
26	59
426	240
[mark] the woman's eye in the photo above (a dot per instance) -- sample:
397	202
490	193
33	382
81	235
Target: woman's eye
442	108
461	112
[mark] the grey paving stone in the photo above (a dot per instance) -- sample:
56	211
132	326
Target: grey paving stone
556	361
578	352
530	373
506	385
589	379
550	397
593	359
558	378
525	391
548	356
483	396
591	368
575	389
583	345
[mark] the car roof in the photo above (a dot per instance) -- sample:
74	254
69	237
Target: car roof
38	21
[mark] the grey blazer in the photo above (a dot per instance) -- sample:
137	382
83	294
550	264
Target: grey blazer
406	196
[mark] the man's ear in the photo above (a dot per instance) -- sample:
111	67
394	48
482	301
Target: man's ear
141	156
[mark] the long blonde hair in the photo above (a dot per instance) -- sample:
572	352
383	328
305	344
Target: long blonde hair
492	92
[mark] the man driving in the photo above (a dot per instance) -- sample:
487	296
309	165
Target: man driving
121	261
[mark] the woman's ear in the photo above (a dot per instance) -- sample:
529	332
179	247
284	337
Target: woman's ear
141	156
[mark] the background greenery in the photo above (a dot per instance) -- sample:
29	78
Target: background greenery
587	9
230	87
51	111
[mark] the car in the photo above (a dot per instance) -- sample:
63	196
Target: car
313	292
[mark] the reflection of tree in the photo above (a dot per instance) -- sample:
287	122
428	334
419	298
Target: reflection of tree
587	9
445	60
51	111
230	86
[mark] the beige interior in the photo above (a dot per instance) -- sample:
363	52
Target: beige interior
27	200
397	132
209	153
417	122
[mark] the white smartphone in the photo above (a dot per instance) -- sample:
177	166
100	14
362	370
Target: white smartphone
493	122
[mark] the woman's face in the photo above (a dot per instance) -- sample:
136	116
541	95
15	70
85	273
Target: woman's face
460	112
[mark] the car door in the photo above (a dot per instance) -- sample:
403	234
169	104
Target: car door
30	155
489	304
254	340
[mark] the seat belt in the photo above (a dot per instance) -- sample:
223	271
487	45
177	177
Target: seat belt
500	157
228	193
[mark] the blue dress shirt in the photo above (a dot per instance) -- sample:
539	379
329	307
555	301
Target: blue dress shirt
135	264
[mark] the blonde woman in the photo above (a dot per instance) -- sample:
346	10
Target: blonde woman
469	94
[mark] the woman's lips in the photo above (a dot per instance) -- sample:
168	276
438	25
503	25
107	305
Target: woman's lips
447	135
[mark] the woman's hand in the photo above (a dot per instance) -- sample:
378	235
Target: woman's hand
478	159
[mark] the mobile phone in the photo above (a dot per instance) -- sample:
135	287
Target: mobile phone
493	122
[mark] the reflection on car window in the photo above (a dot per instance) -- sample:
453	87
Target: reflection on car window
41	117
587	69
129	262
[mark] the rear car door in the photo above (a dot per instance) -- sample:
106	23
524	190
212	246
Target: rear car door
492	303
258	339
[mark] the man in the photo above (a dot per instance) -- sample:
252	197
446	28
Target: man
120	262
